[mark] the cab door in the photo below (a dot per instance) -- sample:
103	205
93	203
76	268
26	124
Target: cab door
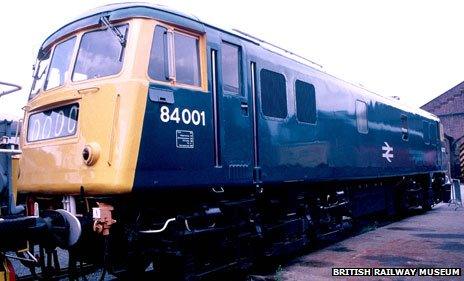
176	144
232	107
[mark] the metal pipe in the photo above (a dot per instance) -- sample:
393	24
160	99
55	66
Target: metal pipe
11	151
152	231
31	258
18	125
13	208
16	88
69	204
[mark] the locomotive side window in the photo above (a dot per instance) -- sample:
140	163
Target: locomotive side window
60	64
273	94
361	117
433	132
305	102
442	132
230	68
404	127
426	132
175	56
100	54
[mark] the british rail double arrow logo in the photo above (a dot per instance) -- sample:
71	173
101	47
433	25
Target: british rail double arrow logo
388	152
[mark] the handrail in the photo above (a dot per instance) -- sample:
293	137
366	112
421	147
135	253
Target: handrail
152	231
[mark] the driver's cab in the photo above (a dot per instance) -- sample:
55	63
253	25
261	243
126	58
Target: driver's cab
84	85
83	121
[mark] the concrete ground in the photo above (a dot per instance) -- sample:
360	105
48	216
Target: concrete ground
431	239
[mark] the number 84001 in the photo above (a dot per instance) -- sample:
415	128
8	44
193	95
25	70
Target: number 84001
185	116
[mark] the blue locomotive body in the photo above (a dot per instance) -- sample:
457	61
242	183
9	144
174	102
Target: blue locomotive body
245	139
256	135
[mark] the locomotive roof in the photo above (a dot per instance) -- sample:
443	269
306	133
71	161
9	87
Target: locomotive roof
149	10
126	10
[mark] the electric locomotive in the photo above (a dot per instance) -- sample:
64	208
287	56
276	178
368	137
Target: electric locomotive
152	136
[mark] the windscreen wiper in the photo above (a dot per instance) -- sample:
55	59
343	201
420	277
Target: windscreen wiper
121	37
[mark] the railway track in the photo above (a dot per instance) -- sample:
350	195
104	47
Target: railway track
63	274
259	271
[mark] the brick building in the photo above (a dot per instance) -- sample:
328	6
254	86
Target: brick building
449	107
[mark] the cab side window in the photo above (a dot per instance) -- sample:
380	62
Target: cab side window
175	57
187	59
157	68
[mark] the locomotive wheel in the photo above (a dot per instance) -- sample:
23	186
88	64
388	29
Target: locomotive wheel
426	202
